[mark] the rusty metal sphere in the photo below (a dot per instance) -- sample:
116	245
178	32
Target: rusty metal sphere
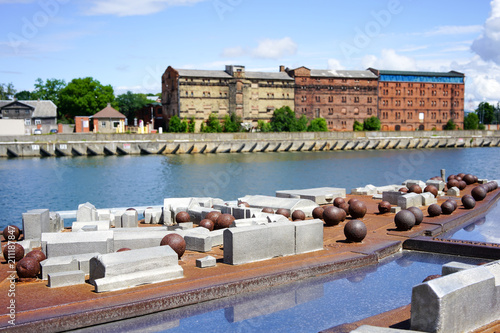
419	215
333	215
318	213
176	242
123	249
494	184
182	217
13	251
384	207
11	232
450	177
403	190
213	215
415	189
434	210
338	201
355	231
345	207
461	175
478	193
130	209
224	221
476	179
454	203
352	200
431	189
28	267
357	209
447	208
458	178
404	220
468	201
462	185
298	215
469	179
452	183
37	254
283	211
431	277
268	210
208	224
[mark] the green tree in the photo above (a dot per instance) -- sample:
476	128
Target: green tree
481	127
175	125
129	103
372	124
357	126
284	120
85	97
471	121
318	125
213	125
264	126
7	91
49	91
192	125
300	124
232	123
24	95
486	113
450	125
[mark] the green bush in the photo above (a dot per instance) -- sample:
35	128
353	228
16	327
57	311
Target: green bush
450	125
213	125
232	123
191	127
471	121
318	125
372	124
357	126
263	126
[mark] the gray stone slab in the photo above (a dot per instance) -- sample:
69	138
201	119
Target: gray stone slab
392	196
410	200
459	302
248	222
453	192
86	212
103	214
198	242
217	237
58	264
83	261
70	243
172	206
139	239
98	225
410	182
115	271
56	222
205	262
244	245
395	209
185	225
88	228
244	212
261	201
320	195
198	213
453	267
64	279
308	236
366	190
27	245
130	219
281	239
428	199
153	215
436	183
377	196
35	222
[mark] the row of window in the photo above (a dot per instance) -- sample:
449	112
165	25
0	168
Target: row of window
16	111
385	102
410	85
385	92
409	115
27	122
330	99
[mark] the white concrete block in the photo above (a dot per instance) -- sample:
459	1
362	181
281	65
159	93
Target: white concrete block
261	201
86	212
453	192
64	279
198	242
453	267
70	243
217	237
130	219
436	183
308	236
35	222
103	215
321	195
409	200
392	196
139	239
100	225
58	264
205	262
428	199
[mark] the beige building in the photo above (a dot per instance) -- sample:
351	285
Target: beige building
251	95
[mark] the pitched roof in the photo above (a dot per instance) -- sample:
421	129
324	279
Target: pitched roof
268	76
411	73
43	109
343	74
108	112
203	73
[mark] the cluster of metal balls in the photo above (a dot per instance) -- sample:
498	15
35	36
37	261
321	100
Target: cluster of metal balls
27	266
461	180
408	218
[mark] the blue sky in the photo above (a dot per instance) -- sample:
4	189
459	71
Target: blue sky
129	44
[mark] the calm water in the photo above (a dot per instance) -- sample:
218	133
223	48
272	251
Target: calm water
306	306
63	183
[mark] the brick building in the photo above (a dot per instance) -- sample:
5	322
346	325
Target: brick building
341	97
251	95
156	110
409	101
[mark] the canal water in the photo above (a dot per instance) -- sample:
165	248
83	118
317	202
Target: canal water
122	181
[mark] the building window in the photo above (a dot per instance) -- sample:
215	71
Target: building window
318	99
103	124
27	122
318	113
330	111
344	99
116	124
38	121
369	100
356	99
369	111
344	111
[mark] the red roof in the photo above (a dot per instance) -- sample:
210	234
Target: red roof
109	112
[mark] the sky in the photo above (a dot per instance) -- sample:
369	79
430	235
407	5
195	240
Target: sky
128	44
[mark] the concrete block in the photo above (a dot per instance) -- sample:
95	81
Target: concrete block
86	212
64	279
205	262
395	209
185	225
459	302
217	237
453	267
224	209
56	222
386	188
261	201
281	239
482	181
248	222
103	214
172	206
27	245
410	182
377	196
436	183
130	219
99	225
245	212
88	228
58	264
427	199
117	221
70	243
140	238
83	261
308	236
392	196
115	271
367	190
206	202
410	200
453	192
321	195
153	215
35	222
198	213
198	242
244	245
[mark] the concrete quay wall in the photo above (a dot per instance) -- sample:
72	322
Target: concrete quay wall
186	143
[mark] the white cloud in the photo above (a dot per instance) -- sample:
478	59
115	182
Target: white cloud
232	52
390	60
454	30
133	7
335	64
487	46
275	48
